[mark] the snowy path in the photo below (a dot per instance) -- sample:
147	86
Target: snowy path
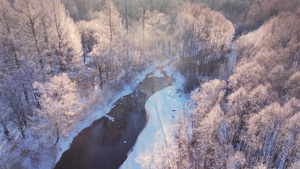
161	108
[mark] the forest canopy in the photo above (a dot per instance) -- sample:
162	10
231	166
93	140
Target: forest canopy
62	59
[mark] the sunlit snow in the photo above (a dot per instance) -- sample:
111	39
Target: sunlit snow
161	109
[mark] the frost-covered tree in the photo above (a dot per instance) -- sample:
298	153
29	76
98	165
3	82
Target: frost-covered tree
210	143
221	32
273	133
17	75
205	99
261	11
5	117
109	36
29	15
251	120
199	27
88	31
293	85
9	38
66	40
60	106
209	130
16	101
152	34
111	21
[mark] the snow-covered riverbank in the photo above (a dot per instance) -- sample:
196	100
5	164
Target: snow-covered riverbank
34	152
64	144
161	108
107	106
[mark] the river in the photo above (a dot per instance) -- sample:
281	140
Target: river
106	143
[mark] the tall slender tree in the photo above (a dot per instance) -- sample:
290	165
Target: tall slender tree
66	36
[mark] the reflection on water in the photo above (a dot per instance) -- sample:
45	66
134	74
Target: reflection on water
105	143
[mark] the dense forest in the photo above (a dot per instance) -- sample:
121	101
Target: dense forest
60	59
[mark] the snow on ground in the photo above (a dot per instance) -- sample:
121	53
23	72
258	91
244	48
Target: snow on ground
31	143
45	160
157	73
65	142
161	108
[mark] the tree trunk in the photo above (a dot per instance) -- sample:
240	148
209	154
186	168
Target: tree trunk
6	132
110	27
100	77
212	4
57	136
126	16
51	66
22	132
84	57
34	34
15	56
38	105
143	22
26	96
169	45
143	47
106	74
57	139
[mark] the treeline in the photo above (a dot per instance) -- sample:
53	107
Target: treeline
246	15
86	9
251	118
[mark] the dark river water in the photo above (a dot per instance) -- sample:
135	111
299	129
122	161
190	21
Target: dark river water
105	144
